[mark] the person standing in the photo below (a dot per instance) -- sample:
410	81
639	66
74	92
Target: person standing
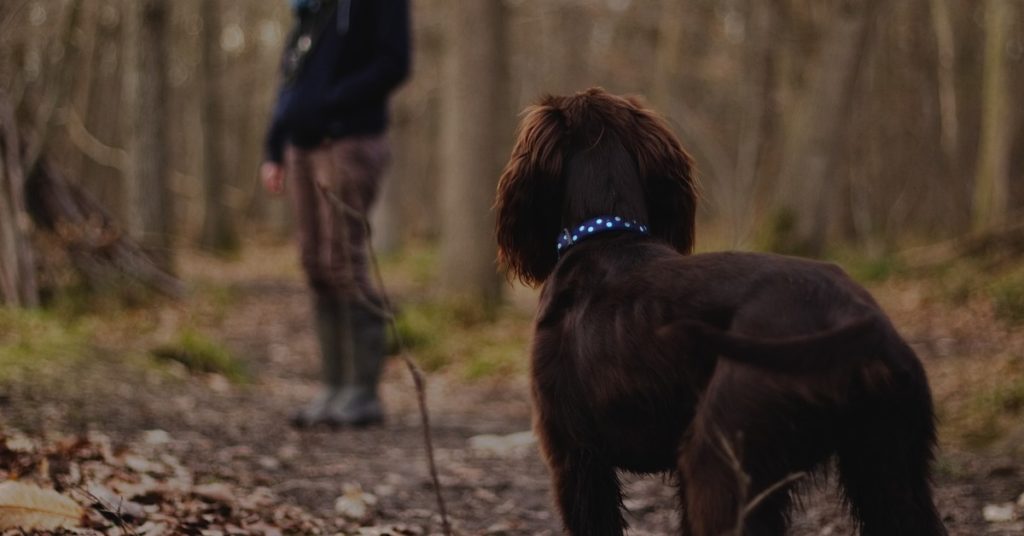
326	143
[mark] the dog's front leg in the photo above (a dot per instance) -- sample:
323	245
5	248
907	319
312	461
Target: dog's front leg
587	490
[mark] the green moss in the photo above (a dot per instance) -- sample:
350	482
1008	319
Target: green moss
989	413
446	334
201	354
31	340
416	264
1008	297
495	359
874	269
777	234
983	432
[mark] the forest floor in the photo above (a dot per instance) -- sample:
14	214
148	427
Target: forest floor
86	408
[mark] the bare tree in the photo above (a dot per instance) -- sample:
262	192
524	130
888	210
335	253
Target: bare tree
17	261
942	25
807	183
992	178
148	199
218	232
474	146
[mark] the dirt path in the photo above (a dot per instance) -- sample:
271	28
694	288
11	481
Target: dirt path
494	481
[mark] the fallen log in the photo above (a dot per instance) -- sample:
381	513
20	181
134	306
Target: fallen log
1003	242
95	244
41	200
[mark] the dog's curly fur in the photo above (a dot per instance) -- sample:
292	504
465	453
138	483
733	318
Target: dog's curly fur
648	359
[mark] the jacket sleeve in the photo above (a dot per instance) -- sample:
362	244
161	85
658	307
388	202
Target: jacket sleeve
390	65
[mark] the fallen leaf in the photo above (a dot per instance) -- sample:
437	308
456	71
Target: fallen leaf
20	443
354	504
28	507
215	492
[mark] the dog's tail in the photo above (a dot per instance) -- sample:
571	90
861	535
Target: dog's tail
860	339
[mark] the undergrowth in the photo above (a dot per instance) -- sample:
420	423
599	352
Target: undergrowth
201	354
456	336
34	340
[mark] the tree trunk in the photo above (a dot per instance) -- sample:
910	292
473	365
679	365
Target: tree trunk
388	220
698	135
473	106
992	179
807	181
149	203
218	232
758	95
945	46
17	262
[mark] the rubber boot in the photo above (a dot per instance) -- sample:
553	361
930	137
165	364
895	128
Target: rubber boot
369	344
333	330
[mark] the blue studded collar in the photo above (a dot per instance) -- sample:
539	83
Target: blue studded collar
572	235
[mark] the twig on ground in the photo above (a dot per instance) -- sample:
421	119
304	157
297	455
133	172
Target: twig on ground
106	508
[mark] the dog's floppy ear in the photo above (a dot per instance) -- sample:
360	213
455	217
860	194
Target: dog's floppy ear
670	182
530	197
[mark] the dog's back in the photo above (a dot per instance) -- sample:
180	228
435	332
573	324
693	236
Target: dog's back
730	370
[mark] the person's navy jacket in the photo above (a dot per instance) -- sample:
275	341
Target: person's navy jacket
338	72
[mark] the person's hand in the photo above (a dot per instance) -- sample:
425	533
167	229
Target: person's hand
272	175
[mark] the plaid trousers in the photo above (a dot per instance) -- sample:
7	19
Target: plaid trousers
333	244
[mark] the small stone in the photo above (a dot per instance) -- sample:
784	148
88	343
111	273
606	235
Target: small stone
500	528
384	490
20	443
1020	500
998	513
218	383
156	437
143	466
269	463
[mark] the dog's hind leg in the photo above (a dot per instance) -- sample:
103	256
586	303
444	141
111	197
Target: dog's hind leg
588	494
884	457
725	465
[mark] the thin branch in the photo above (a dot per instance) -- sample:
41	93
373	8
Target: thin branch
93	147
746	507
756	501
419	379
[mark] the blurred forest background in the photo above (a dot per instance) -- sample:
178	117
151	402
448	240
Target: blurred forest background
888	136
816	125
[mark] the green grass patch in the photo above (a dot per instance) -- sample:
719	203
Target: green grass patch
988	414
31	340
416	263
1008	297
469	339
873	269
201	354
500	358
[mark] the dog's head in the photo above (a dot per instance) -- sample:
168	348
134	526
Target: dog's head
587	155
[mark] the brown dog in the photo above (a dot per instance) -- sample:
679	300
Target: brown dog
647	359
